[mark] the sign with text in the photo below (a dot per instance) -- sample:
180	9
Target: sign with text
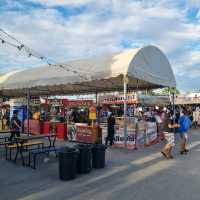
119	138
92	113
84	134
151	133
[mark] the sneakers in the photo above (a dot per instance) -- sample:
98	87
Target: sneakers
164	154
184	151
167	156
170	157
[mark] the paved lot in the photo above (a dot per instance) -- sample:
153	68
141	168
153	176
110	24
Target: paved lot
139	175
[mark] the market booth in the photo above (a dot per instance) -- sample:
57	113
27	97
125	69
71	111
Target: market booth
141	132
133	69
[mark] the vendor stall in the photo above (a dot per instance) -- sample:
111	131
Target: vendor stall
133	69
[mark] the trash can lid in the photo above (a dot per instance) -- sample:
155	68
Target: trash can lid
99	146
83	146
68	150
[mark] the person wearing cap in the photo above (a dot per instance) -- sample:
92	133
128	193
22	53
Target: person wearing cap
15	125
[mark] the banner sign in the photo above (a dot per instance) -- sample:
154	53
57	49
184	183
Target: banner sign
92	113
117	99
76	103
151	133
119	138
69	103
141	138
84	134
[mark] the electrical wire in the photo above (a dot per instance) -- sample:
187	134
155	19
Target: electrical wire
9	43
32	53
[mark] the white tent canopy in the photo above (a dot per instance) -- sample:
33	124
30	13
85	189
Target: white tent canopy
146	68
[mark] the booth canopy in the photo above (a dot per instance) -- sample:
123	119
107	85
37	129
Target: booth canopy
146	68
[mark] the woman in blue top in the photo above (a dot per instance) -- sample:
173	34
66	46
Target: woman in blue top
184	123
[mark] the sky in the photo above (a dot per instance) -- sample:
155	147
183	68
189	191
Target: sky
71	29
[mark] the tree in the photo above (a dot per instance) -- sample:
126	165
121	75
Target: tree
166	91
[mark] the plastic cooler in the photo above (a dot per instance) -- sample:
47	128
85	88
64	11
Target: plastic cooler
61	130
34	126
46	128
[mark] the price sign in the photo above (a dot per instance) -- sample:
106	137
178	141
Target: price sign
92	113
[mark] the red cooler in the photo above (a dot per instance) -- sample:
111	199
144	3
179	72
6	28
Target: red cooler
61	130
46	128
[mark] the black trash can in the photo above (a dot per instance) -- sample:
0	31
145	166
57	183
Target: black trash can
98	156
68	158
84	164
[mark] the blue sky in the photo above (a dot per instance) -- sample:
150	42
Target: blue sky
71	29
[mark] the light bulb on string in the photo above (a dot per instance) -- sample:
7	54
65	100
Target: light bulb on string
2	41
20	47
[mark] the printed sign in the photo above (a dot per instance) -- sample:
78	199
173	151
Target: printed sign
140	141
84	134
92	113
119	138
151	132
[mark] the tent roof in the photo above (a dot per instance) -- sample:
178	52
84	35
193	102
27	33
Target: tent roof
146	68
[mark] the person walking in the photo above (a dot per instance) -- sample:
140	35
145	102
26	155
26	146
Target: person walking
111	129
169	127
185	124
15	125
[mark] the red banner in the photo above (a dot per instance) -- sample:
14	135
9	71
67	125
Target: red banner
74	103
84	134
69	103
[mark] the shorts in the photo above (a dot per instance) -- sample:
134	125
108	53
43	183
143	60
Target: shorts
170	138
184	135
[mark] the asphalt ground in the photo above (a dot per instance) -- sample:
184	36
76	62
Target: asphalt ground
129	175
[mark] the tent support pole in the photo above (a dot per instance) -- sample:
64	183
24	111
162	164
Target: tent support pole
28	106
173	105
125	81
97	109
96	97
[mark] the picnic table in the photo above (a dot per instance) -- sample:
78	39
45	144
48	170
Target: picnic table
20	141
5	131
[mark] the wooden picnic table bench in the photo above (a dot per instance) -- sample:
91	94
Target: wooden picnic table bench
34	153
5	131
24	141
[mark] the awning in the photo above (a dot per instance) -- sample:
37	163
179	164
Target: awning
146	68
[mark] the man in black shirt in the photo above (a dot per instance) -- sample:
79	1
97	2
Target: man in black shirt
168	129
111	129
15	125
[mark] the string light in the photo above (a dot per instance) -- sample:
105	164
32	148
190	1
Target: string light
20	47
32	53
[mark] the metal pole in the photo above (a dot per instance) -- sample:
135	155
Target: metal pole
173	108
96	97
97	110
125	80
28	106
